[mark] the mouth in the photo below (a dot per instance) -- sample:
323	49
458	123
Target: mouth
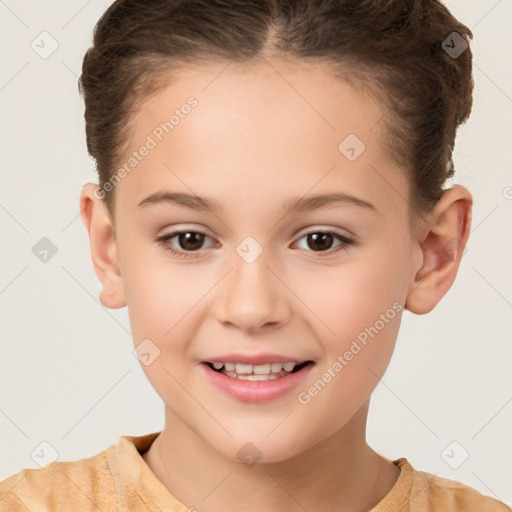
262	372
266	381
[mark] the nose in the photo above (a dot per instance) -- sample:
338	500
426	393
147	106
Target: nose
252	296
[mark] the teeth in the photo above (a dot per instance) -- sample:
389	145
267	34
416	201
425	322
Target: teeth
257	377
288	366
242	368
261	369
266	371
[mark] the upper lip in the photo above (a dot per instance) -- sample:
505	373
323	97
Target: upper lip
255	359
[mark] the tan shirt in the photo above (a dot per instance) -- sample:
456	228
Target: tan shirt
118	479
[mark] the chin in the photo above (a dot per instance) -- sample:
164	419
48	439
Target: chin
260	450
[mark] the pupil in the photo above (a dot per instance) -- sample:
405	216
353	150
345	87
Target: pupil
322	237
187	240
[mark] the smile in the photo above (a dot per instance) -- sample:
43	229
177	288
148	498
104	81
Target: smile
267	371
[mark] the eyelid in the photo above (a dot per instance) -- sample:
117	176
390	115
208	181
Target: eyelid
316	228
299	234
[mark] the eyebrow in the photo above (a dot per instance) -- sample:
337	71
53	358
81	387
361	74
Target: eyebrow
294	205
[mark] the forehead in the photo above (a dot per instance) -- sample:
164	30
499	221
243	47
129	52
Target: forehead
259	128
273	92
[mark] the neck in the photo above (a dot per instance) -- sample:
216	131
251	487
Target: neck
339	473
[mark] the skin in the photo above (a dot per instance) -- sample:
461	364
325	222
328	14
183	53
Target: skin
255	141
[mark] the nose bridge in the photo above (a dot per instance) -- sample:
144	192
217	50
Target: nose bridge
251	296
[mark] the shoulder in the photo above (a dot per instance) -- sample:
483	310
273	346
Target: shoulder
11	503
80	484
433	493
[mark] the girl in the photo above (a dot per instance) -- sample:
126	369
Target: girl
271	198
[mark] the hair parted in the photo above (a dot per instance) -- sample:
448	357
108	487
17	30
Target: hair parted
389	48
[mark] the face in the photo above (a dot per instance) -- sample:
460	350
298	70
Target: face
249	278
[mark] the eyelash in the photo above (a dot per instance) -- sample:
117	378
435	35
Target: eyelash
164	241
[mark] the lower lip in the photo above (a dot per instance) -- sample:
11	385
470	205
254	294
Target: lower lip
256	390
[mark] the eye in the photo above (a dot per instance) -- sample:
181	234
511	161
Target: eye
322	240
192	241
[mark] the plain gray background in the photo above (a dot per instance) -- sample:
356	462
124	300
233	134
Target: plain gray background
68	376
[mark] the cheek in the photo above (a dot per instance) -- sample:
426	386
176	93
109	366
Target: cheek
352	296
163	302
168	302
359	307
157	288
160	297
363	317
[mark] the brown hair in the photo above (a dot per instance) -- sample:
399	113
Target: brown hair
395	49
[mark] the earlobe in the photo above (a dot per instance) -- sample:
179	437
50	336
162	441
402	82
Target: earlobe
103	247
442	248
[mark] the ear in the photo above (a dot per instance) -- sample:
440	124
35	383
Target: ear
445	234
103	244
